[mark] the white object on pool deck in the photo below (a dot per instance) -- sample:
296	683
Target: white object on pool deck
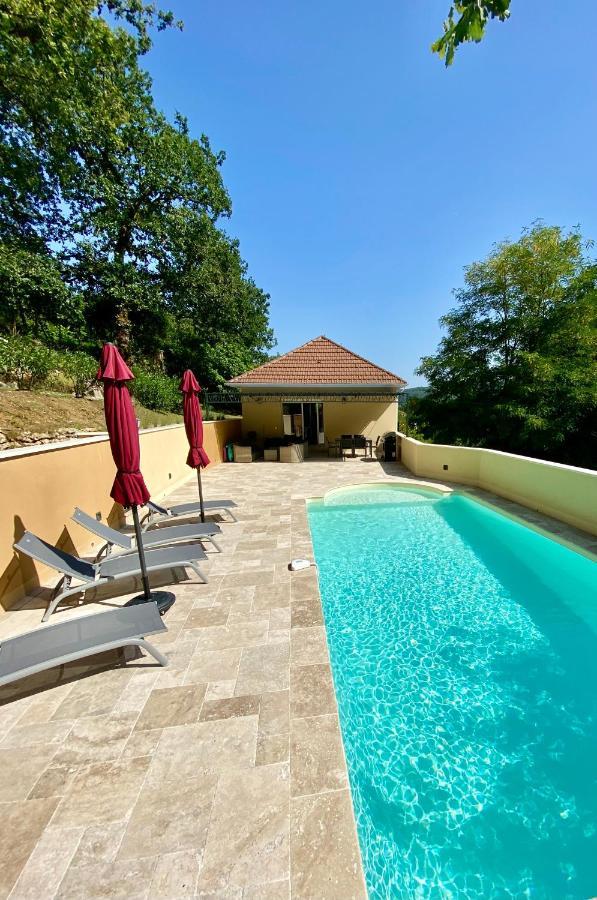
297	564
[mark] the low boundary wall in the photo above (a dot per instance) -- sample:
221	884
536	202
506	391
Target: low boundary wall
41	485
565	492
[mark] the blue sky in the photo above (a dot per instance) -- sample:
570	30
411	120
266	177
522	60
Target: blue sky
364	175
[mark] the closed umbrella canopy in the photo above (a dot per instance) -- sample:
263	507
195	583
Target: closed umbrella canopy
129	488
193	421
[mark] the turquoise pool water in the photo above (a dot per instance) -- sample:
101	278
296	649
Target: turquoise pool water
464	655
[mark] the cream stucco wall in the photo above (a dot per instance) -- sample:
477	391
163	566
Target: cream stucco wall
565	492
369	418
264	418
41	486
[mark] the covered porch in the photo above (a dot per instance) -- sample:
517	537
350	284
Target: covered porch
317	419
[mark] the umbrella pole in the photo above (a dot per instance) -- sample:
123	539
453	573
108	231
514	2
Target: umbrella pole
141	553
200	493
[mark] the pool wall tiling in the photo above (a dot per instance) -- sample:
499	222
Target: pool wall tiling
464	655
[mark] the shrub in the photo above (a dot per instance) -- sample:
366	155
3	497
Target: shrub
25	361
81	369
156	391
58	382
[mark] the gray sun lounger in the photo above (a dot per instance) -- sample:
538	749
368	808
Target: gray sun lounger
44	648
111	569
201	531
156	514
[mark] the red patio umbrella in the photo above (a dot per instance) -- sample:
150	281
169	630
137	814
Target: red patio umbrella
193	423
129	488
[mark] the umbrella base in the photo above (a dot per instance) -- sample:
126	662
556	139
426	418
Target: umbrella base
163	599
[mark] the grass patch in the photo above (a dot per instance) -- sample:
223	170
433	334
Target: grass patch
46	412
149	418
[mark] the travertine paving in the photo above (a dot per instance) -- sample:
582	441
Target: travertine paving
220	776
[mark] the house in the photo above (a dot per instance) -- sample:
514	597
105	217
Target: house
318	392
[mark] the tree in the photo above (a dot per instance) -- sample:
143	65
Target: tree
108	210
126	206
467	20
219	316
34	294
517	369
67	83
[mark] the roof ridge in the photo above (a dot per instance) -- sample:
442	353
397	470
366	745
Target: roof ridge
282	356
308	359
358	356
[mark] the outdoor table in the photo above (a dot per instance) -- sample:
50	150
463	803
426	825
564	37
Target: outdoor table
337	447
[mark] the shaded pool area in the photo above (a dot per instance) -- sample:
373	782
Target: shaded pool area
464	653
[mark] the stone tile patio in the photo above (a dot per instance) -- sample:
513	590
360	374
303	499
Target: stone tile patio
222	775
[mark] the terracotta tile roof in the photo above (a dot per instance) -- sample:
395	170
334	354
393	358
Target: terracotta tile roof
320	361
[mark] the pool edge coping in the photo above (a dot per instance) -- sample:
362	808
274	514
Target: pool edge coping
353	839
521	514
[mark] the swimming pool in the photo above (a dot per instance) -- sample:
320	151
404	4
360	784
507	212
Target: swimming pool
464	654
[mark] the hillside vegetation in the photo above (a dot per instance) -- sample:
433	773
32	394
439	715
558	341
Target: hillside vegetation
47	413
517	367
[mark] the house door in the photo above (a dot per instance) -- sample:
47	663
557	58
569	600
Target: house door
313	423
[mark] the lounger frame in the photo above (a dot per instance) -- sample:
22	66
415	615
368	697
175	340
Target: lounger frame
90	574
149	623
155	514
156	539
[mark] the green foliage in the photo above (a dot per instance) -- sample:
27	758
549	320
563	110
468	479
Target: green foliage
402	421
67	82
517	369
32	364
108	210
409	395
218	315
408	424
467	20
34	294
156	391
80	368
149	418
25	361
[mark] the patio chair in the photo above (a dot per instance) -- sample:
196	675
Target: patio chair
156	514
346	444
200	532
108	570
360	443
333	447
45	648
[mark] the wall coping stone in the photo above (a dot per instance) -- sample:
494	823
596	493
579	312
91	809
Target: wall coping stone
95	438
517	456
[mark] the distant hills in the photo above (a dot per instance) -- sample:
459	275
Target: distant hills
408	393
